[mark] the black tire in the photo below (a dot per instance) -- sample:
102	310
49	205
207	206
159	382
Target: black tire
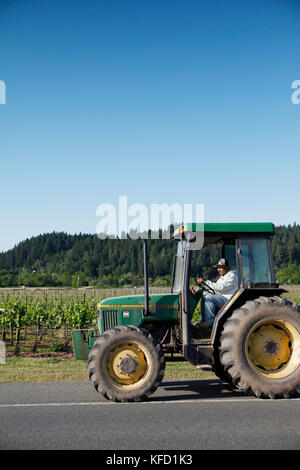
260	348
218	368
125	364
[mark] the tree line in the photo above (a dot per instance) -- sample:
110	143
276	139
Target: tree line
59	259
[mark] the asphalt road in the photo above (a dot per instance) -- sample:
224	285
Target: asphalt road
182	415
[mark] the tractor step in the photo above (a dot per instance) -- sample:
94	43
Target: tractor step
199	354
201	342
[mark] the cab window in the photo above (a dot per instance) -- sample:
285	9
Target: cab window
255	261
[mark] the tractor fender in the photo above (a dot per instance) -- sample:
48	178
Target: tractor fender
236	301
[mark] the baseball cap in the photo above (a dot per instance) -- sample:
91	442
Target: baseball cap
221	263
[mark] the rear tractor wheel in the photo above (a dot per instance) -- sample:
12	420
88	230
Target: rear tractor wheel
260	347
125	364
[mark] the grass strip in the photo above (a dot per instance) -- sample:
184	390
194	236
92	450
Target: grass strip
19	369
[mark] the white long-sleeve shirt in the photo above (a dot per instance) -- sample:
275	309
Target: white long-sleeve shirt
226	285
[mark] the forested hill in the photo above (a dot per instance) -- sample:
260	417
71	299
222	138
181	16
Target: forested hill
59	259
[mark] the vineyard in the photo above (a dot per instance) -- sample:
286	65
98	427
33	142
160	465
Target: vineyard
39	322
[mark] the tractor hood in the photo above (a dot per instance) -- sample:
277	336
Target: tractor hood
129	310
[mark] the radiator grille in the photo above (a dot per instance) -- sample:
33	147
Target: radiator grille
110	318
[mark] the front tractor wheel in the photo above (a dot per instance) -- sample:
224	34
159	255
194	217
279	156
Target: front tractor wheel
260	347
126	364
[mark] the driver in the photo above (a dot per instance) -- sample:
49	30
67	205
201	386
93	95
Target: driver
224	288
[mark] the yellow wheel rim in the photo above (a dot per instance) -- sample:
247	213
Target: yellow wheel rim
127	365
273	348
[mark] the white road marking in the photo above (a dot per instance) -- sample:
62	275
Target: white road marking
158	402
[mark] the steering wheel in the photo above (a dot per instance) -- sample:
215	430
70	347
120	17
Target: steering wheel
206	287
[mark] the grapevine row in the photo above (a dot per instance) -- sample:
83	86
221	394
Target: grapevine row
19	312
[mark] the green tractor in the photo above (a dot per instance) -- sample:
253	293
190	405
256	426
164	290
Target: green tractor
254	343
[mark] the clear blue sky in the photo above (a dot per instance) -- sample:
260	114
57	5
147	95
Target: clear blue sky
163	101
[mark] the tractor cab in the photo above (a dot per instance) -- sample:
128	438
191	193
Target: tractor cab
246	246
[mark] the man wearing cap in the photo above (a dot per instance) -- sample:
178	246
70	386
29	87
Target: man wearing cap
224	288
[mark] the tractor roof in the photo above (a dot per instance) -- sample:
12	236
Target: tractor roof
225	228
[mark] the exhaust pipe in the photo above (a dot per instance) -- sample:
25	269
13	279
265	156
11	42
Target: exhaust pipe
146	310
